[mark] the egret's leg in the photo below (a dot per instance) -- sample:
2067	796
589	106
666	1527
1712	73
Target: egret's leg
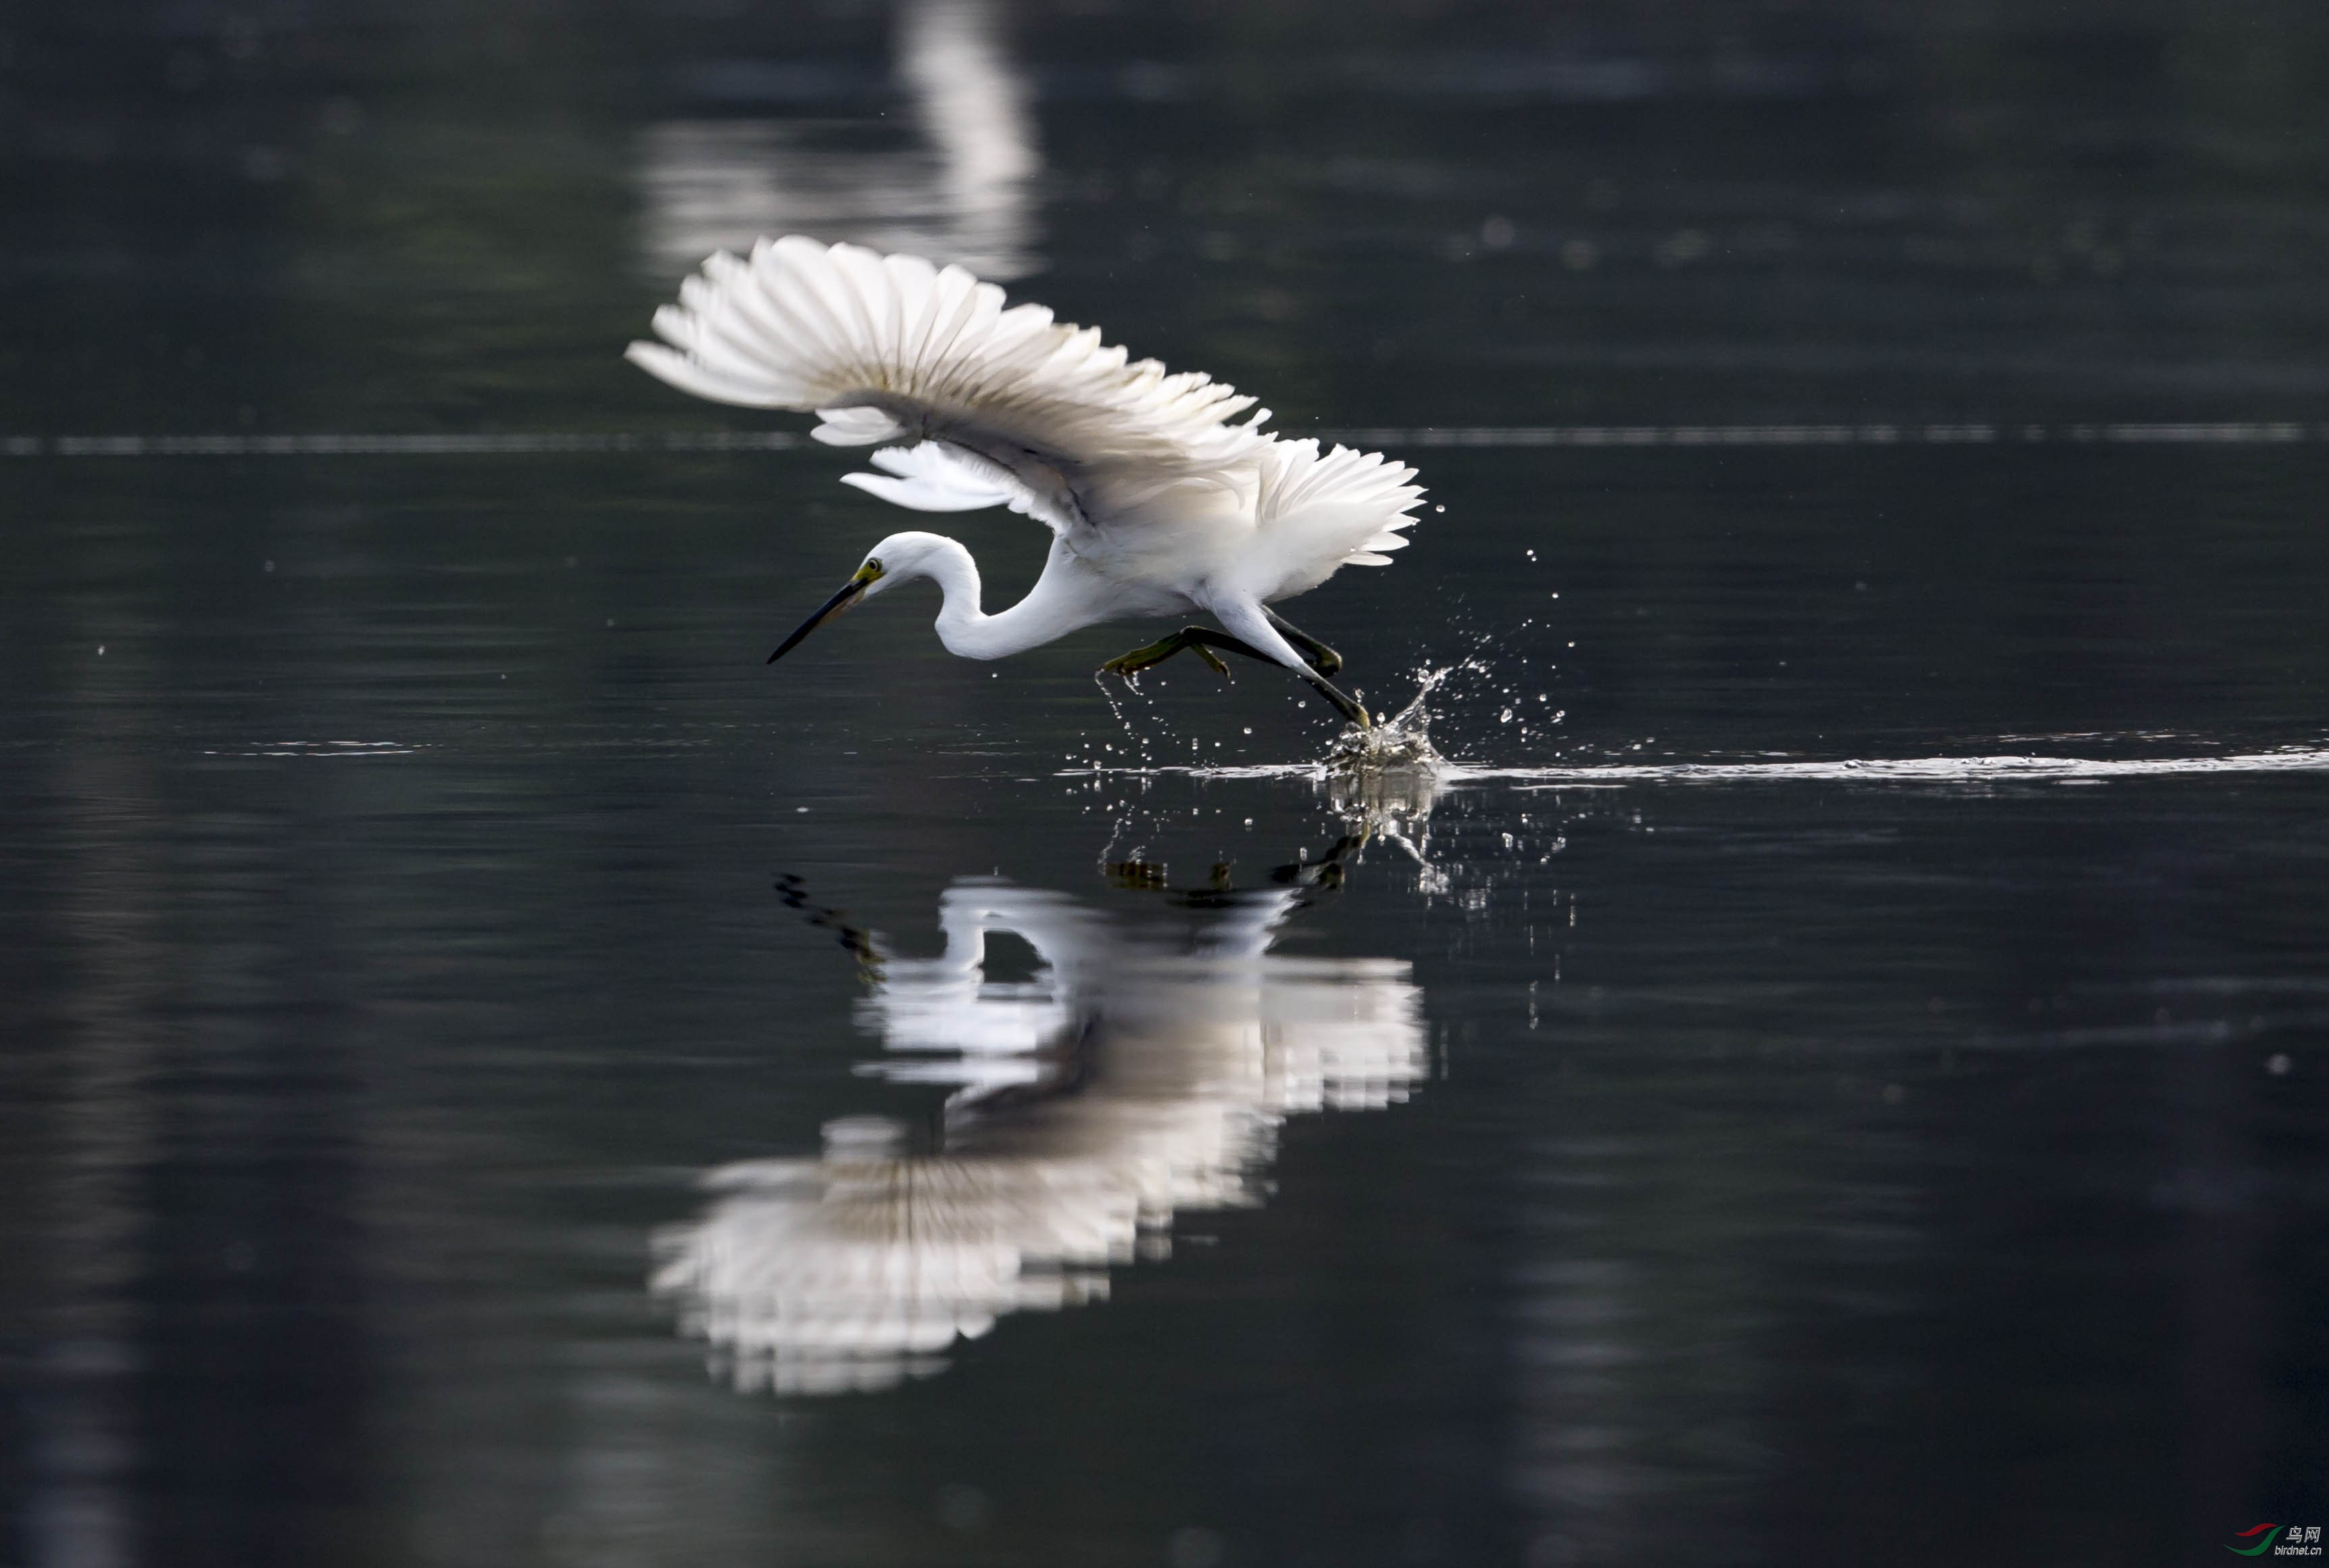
1251	621
1202	638
1140	658
1344	705
1323	659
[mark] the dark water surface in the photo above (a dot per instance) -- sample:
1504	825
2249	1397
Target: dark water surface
497	1075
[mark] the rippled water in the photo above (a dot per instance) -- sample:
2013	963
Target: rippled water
1830	1068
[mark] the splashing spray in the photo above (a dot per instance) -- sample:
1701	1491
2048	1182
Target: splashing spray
1401	742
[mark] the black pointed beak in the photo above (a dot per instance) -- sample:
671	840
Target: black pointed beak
850	592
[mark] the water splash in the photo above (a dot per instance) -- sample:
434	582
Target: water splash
1401	742
1137	755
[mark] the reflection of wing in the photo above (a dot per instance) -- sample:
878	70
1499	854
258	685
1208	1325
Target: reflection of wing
1343	1033
857	1269
890	349
1244	925
841	1273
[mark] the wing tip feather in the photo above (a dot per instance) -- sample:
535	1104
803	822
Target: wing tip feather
802	323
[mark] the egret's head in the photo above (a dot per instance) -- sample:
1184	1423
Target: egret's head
897	559
902	557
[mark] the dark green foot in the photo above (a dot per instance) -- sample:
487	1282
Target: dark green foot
1189	636
1353	711
1205	640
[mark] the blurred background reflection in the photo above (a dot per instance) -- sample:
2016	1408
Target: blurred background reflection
961	190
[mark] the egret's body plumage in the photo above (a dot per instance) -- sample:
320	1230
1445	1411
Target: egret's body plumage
1157	503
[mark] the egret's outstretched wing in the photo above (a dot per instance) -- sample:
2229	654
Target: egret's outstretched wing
890	349
1318	512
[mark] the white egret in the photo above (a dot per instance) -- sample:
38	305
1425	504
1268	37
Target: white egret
1158	506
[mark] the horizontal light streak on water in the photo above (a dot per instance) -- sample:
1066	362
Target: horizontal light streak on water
522	443
323	749
396	446
1903	770
1997	770
1976	433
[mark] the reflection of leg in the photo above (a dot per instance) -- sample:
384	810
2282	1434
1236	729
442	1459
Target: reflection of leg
1323	659
859	941
1204	639
1329	870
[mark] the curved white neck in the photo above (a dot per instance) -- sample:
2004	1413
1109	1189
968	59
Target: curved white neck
968	632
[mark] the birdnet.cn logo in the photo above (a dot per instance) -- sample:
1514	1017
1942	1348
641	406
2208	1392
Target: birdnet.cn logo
2280	1541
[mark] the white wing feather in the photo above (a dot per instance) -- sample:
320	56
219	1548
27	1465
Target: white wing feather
1316	512
936	478
1140	470
893	349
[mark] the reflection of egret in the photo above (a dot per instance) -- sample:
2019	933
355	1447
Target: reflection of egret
1142	1071
1158	506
